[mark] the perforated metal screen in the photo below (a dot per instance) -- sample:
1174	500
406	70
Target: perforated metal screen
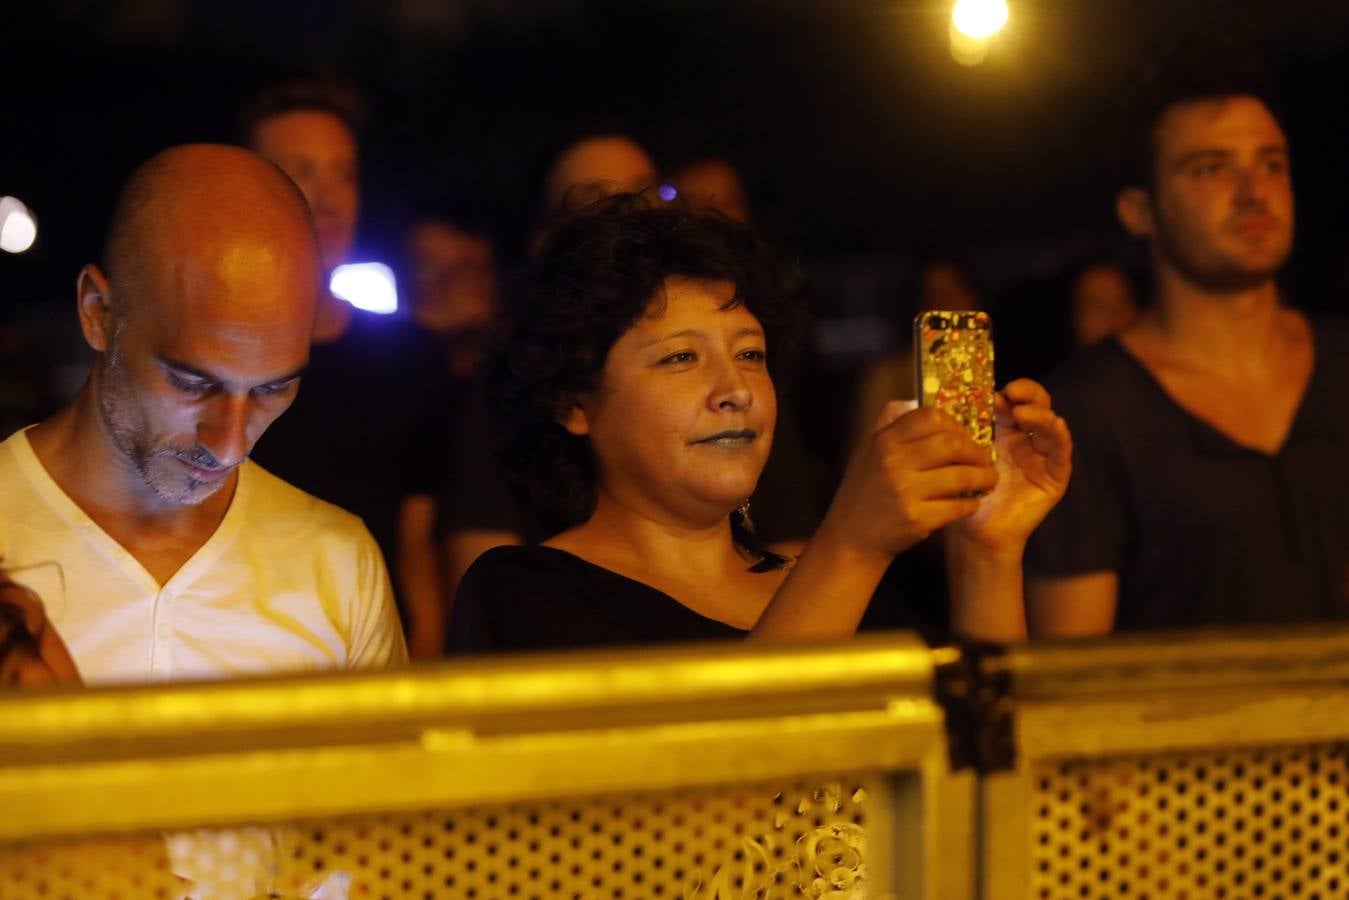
1266	823
814	838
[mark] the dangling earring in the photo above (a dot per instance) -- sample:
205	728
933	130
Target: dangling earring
743	512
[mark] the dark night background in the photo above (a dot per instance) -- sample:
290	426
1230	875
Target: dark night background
861	140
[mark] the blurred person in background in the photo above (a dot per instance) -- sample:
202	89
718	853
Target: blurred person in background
1212	459
1102	300
368	432
478	512
1042	321
713	183
451	257
595	165
941	283
637	410
451	262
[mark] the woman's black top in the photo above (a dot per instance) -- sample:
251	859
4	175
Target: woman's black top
542	598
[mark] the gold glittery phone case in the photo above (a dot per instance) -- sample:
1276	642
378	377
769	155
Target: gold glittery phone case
954	355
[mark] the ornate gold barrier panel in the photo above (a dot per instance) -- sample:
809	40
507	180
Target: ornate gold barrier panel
708	772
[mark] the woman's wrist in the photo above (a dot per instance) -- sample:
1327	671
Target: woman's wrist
974	552
986	589
842	545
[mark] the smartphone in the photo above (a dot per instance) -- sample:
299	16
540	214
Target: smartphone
953	352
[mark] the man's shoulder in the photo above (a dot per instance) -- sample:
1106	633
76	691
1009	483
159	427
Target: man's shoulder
1102	377
9	450
16	478
276	505
1332	337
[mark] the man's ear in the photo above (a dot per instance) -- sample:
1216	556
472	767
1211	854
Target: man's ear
93	299
1133	206
573	418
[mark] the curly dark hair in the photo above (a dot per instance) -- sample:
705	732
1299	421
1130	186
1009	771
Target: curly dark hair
1194	68
597	272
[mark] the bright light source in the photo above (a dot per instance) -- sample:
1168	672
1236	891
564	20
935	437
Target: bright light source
667	192
369	286
979	19
18	228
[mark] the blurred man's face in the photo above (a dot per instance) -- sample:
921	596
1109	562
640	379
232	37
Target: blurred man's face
714	184
1222	203
317	150
203	362
454	277
598	167
1103	304
944	286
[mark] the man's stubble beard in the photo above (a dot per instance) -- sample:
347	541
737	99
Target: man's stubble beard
116	406
1219	273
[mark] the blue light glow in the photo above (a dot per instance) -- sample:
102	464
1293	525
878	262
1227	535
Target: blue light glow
667	192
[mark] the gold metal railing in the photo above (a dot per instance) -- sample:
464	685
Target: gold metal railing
701	771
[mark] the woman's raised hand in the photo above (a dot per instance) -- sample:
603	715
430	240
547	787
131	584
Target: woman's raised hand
919	471
32	654
1034	462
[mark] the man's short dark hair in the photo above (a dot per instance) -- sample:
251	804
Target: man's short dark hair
596	274
324	91
1194	68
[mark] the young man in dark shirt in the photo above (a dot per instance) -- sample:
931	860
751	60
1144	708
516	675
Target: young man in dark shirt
367	432
1211	480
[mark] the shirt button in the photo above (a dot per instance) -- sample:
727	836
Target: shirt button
164	630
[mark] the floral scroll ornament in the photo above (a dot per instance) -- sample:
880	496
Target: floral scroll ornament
827	865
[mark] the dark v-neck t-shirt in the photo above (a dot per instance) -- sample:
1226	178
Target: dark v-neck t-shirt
1202	530
542	598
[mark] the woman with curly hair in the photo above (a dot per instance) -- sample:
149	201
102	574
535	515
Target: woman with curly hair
636	408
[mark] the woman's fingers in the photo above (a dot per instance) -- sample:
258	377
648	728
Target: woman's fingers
1038	442
1031	418
1056	443
929	439
1024	390
944	512
917	423
893	411
52	662
955	481
57	656
27	603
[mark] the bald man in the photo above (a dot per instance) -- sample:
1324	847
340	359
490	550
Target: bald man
171	555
